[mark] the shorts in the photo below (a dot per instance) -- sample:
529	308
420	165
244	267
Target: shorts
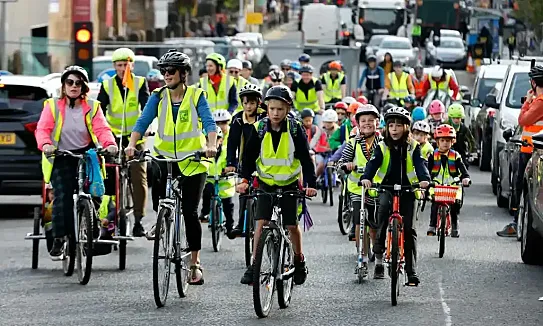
288	204
319	158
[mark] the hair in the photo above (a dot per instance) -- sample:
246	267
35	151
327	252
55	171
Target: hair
84	87
257	98
406	135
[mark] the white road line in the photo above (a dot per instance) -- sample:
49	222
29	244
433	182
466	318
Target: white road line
444	305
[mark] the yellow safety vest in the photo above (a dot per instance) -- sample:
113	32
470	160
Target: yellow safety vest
240	82
354	177
47	162
114	113
184	136
217	100
279	168
333	87
426	150
444	177
444	86
227	187
399	88
301	102
385	164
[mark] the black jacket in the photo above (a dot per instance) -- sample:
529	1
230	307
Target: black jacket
239	129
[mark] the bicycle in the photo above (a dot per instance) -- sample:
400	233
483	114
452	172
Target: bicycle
278	245
216	214
345	208
249	224
170	233
328	180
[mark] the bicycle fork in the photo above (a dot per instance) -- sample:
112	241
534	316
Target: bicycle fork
388	254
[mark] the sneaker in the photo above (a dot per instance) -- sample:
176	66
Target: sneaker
412	279
204	218
431	231
150	235
196	275
372	257
379	271
237	231
247	277
56	250
454	231
300	270
509	231
138	230
363	270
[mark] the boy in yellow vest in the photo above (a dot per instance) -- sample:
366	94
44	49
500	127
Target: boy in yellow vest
421	132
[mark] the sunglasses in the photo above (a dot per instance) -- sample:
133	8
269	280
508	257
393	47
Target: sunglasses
71	82
169	70
233	72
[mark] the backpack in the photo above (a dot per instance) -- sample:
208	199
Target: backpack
94	174
262	127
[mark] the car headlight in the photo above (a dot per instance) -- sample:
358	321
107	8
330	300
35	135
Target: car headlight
506	124
358	44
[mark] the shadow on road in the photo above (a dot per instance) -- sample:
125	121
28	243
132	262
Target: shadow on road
10	211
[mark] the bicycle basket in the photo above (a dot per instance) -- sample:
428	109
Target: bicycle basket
445	194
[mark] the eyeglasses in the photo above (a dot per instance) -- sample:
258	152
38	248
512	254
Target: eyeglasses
71	82
169	70
233	72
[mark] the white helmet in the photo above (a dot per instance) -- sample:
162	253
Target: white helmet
421	126
234	63
250	89
221	116
348	100
367	109
329	116
277	75
437	72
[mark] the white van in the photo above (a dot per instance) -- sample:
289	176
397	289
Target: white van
321	25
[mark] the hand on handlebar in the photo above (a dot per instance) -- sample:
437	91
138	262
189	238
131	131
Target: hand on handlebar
242	188
130	150
229	169
310	192
48	149
112	149
350	166
466	182
211	151
366	183
424	184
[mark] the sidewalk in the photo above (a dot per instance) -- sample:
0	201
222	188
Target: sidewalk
279	31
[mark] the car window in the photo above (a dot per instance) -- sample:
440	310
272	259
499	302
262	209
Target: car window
221	47
376	40
485	86
451	44
22	97
519	86
395	44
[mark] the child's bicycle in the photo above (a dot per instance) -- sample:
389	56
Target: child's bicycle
345	208
216	214
328	180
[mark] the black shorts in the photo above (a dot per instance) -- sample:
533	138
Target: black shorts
288	204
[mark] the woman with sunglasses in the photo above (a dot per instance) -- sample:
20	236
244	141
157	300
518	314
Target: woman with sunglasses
76	123
183	116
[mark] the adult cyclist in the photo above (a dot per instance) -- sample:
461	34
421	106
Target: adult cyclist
373	79
334	83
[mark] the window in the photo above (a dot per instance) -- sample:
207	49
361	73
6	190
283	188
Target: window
519	86
379	16
20	96
376	40
395	44
451	43
485	86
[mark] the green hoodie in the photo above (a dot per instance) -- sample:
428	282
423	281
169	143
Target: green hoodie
335	140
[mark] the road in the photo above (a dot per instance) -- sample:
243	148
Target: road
480	281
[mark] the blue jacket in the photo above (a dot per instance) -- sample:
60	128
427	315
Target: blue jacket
377	75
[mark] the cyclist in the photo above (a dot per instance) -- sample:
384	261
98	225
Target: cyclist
398	83
446	164
220	88
409	102
279	138
295	66
334	83
76	123
418	114
342	134
373	78
419	79
330	122
276	78
267	80
397	160
304	59
308	92
234	67
437	115
341	111
285	66
421	133
122	106
247	71
240	130
440	80
318	142
182	111
464	142
291	77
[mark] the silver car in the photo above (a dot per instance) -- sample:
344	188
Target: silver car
400	48
373	44
451	53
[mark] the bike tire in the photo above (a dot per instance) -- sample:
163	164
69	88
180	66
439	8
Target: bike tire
162	222
36	243
182	262
441	231
260	310
394	264
324	193
68	264
123	221
330	176
284	287
215	219
340	214
249	232
85	245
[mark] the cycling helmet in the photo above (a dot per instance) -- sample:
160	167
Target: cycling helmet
304	57
341	105
388	106
281	93
273	68
536	73
335	65
285	63
219	133
362	99
307	69
398	113
421	126
221	115
218	59
174	58
444	131
353	107
247	64
436	106
277	75
123	54
372	57
307	113
234	63
74	70
292	75
348	100
397	64
367	109
329	116
382	123
250	89
418	113
295	66
456	110
437	72
409	99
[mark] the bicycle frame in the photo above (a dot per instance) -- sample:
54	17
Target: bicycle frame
395	215
447	209
123	183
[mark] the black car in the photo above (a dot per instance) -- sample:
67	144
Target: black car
508	168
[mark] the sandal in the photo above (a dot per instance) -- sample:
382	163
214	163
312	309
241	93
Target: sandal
196	275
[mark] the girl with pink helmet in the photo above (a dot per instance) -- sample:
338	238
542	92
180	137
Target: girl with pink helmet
437	115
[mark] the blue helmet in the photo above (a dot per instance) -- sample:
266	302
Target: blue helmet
295	65
409	99
418	114
304	57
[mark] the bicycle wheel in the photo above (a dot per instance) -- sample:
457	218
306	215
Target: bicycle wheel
216	228
122	243
249	231
182	260
264	278
340	210
68	263
347	218
284	287
394	264
324	190
36	242
330	176
441	231
84	246
163	240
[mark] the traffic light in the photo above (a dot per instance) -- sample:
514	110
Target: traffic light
83	50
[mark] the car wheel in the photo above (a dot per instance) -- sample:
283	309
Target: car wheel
512	190
500	200
494	176
520	219
485	153
532	242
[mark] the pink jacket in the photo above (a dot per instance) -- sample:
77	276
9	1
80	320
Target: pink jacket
47	124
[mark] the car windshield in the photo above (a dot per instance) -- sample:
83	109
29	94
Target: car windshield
379	16
141	68
395	44
451	43
22	97
376	40
221	47
519	86
485	86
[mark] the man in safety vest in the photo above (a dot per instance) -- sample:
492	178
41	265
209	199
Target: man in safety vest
440	80
220	87
398	83
416	32
122	107
419	79
531	121
277	150
183	116
234	67
308	92
334	83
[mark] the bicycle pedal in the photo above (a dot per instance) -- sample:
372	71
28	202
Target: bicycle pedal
411	284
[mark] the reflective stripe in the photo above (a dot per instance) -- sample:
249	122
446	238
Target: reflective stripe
217	103
168	154
385	165
279	177
162	122
442	86
315	138
399	88
333	87
120	117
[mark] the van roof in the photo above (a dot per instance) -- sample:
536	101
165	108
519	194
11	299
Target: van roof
493	71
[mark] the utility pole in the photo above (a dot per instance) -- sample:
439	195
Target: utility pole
3	28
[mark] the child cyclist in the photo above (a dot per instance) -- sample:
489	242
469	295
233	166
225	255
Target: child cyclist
421	133
317	139
437	115
356	154
418	114
240	129
446	164
397	160
464	139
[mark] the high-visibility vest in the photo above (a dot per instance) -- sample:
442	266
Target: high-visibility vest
240	82
426	150
353	178
217	100
416	31
277	168
385	164
419	85
398	87
227	187
444	86
333	86
184	136
114	113
301	102
445	176
47	162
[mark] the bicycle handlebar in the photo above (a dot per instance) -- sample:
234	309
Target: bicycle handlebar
146	154
65	152
294	193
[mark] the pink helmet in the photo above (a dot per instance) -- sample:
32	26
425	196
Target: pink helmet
437	107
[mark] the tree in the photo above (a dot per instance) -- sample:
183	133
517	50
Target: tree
531	11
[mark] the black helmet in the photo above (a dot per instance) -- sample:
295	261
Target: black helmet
174	58
397	64
388	106
398	113
279	92
536	73
371	57
246	64
307	68
307	113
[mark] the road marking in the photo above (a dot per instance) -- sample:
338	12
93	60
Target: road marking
444	305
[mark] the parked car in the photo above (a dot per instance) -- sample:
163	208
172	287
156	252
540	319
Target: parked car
21	104
450	53
142	65
482	131
400	48
508	168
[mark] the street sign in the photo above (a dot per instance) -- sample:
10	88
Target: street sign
254	18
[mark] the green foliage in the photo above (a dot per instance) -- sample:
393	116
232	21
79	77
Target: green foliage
531	11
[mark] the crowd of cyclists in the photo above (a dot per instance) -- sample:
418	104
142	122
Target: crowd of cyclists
277	133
